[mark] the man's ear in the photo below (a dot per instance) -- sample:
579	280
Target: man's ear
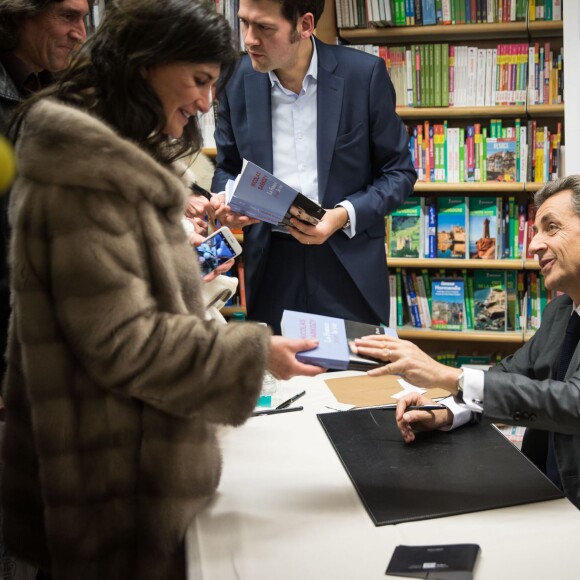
306	25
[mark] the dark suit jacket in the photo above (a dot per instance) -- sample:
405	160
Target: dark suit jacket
529	396
363	157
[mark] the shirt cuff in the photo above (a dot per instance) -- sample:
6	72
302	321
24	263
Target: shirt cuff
473	380
350	232
461	413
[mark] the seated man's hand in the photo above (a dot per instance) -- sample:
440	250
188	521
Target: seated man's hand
222	212
409	422
407	360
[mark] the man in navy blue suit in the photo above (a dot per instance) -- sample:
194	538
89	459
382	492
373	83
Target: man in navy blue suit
321	118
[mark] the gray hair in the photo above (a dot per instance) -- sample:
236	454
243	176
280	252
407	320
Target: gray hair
572	183
13	13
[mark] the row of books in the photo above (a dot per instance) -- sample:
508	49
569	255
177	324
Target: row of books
443	75
519	153
457	227
481	300
365	13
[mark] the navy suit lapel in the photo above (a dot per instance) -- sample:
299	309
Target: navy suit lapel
259	111
330	90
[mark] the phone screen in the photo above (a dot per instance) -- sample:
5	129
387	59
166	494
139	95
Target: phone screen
214	251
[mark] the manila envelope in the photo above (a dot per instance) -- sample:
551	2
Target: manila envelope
365	391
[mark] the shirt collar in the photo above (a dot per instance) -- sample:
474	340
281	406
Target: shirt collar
311	73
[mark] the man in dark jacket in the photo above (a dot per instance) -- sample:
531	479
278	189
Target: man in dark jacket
37	38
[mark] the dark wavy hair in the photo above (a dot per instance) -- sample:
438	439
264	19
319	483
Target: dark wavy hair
106	77
293	9
13	13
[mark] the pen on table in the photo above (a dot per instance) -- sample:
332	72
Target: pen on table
200	190
276	411
289	401
419	408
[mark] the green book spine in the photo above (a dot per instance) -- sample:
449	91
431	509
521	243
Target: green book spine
461	155
468	308
399	281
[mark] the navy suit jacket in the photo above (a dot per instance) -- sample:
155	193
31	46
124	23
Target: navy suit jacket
521	391
363	157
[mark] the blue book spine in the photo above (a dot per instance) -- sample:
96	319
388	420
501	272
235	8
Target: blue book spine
432	229
429	12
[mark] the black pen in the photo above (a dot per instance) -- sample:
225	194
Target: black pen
275	411
200	190
290	400
419	408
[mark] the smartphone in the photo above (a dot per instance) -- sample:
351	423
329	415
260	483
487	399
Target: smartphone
216	249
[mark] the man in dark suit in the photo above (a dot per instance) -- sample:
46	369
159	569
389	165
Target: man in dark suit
537	387
321	118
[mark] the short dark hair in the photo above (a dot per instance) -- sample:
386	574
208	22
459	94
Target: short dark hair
572	182
106	77
293	9
12	14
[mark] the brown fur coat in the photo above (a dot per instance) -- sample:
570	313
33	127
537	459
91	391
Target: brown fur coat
114	380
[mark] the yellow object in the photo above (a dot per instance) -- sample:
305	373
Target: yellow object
7	165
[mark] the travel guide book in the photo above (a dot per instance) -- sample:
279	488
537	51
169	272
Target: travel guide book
405	230
447	299
259	194
334	336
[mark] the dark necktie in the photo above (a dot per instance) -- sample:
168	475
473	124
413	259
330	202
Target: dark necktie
568	347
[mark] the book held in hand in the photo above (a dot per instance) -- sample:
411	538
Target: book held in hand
334	336
260	195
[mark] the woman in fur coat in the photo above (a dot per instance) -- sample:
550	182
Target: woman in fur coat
115	381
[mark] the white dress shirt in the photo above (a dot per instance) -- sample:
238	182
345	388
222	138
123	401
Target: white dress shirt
294	136
473	394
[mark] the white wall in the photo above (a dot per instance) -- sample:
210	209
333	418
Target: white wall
571	12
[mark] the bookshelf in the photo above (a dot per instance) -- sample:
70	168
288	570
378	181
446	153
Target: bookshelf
482	36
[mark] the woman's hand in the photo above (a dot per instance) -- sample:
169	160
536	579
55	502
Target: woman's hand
282	362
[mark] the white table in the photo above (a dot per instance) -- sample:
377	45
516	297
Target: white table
286	510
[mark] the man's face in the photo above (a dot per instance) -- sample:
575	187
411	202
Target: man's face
48	40
557	244
271	41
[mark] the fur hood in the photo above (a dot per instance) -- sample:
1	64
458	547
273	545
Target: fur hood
115	380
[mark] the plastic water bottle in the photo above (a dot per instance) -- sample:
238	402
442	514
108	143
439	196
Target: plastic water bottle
269	384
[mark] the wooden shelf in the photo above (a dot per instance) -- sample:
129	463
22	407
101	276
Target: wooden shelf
229	310
452	32
546	28
410	333
470	187
546	110
461	112
480	112
209	151
455	263
441	32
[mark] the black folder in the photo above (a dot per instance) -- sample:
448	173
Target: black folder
471	469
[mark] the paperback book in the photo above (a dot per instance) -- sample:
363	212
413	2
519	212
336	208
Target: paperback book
447	300
483	227
489	300
259	194
334	336
405	230
452	227
501	159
